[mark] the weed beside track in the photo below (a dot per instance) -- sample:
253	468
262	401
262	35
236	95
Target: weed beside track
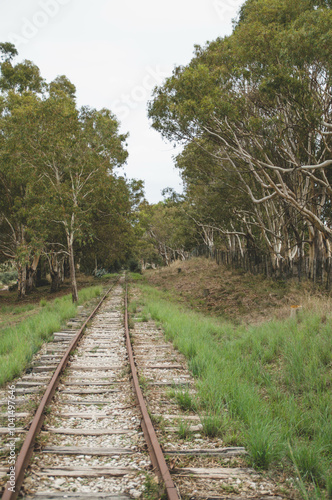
265	387
20	341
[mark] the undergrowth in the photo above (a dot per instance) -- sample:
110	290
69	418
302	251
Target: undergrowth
266	387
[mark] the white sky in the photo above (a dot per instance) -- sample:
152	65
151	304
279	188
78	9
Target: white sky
115	52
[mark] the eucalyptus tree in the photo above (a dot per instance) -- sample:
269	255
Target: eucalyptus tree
263	97
74	153
56	162
215	201
114	220
168	230
21	86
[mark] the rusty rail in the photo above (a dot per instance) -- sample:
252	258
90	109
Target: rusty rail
156	454
27	448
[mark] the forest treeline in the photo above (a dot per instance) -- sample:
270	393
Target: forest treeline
254	113
63	201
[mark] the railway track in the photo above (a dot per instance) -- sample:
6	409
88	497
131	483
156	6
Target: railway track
87	439
93	438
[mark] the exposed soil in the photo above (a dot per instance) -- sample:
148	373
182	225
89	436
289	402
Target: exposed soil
235	295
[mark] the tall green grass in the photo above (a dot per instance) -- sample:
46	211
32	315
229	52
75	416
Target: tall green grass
16	309
19	343
271	384
89	293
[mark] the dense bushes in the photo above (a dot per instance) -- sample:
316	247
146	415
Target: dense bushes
8	277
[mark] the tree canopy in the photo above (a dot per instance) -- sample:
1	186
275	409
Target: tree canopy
257	104
59	185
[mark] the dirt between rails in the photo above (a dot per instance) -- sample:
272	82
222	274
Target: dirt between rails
238	296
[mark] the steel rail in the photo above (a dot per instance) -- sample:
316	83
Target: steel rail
156	454
24	456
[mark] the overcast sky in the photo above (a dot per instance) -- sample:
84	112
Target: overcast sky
115	52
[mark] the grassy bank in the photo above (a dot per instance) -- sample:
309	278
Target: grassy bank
266	387
228	293
20	341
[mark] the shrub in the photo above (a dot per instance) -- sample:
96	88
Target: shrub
134	266
8	277
100	273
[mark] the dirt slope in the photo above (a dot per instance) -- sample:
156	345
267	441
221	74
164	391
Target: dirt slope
239	296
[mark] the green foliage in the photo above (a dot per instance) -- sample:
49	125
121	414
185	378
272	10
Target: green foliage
152	489
89	293
263	442
59	188
114	228
166	232
134	266
136	277
100	273
197	366
132	307
8	51
16	310
8	277
144	383
308	461
250	110
19	343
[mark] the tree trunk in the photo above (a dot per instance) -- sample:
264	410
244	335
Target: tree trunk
22	280
56	272
62	270
31	279
72	269
66	269
21	266
31	274
55	281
